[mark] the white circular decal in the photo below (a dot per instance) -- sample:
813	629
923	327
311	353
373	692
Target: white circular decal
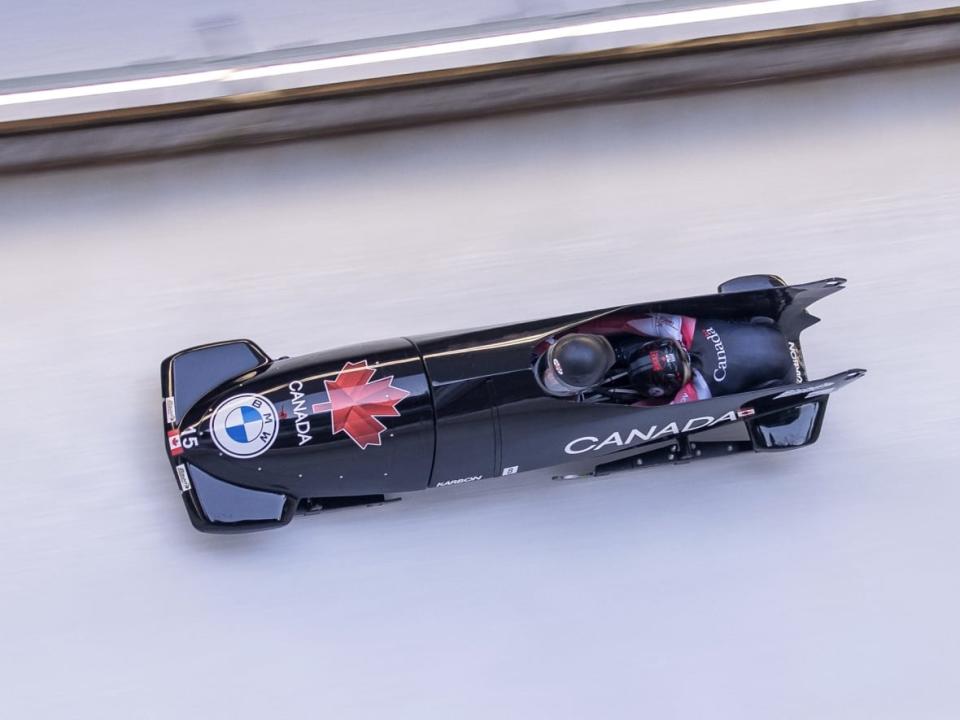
244	426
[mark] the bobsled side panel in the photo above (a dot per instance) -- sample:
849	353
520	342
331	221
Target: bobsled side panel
539	432
466	432
464	370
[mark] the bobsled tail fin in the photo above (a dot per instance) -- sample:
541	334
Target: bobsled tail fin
792	300
796	318
190	374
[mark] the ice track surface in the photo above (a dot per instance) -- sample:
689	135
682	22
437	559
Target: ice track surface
821	583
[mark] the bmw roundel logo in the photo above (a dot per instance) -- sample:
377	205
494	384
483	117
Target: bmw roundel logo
244	426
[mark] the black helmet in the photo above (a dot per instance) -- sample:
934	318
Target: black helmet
659	368
576	362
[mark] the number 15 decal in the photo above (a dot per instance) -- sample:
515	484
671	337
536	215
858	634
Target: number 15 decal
178	442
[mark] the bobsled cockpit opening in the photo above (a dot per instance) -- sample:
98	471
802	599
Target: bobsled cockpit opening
650	359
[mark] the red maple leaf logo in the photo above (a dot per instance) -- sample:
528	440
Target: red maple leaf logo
355	403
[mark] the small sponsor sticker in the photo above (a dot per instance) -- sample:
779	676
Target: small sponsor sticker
170	408
173	442
745	412
820	389
795	358
183	478
244	426
512	470
460	481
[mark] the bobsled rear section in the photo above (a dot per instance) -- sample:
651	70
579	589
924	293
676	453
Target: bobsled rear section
787	305
772	420
494	417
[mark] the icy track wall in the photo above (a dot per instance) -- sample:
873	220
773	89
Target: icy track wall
820	583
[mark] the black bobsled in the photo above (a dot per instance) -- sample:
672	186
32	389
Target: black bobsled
253	441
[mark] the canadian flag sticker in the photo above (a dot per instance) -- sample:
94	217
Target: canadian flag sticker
173	441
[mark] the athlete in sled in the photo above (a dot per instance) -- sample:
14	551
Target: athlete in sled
661	358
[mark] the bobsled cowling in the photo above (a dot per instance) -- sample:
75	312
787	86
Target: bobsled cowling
252	440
